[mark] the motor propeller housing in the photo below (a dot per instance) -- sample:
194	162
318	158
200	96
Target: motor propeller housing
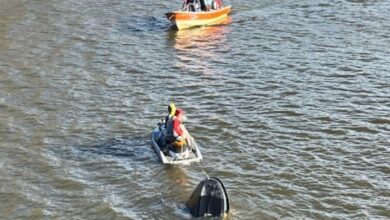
209	199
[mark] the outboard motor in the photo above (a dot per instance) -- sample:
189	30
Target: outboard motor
209	199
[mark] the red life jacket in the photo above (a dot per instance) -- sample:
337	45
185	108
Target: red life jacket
177	131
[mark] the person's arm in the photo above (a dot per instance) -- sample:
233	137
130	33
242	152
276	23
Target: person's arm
166	120
184	131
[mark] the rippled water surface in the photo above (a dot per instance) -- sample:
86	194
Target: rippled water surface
290	103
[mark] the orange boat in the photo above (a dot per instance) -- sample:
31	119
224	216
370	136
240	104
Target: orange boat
188	19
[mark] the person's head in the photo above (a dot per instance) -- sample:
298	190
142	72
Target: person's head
171	109
179	114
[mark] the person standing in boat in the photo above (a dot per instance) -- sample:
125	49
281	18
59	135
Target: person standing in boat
208	4
189	5
197	5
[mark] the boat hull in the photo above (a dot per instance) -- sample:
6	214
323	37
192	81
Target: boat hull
186	19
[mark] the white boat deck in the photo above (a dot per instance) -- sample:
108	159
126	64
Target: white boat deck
194	156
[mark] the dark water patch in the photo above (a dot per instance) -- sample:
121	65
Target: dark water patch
362	129
134	148
286	175
334	131
147	24
68	184
10	203
290	93
385	169
324	118
284	192
285	113
380	121
360	1
345	207
17	206
381	211
324	5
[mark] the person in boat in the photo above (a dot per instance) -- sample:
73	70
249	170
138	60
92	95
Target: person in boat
190	5
208	4
217	4
197	5
177	134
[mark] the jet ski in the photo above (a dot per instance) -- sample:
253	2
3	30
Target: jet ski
167	155
209	199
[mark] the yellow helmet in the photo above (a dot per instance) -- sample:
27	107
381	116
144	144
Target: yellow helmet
172	109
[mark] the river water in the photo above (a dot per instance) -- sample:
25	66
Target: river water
289	102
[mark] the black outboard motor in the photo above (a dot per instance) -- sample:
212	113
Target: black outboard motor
209	199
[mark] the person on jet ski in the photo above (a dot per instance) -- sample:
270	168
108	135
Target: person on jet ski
177	134
171	113
162	139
